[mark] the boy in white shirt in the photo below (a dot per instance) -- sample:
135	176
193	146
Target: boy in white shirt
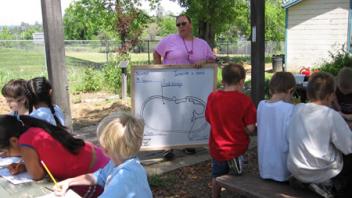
272	120
318	136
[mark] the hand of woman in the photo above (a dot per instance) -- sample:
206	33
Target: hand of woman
16	168
199	64
61	187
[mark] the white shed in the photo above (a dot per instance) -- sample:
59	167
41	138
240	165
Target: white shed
313	29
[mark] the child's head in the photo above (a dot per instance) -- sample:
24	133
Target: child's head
121	135
40	94
344	80
14	92
282	82
233	74
10	128
321	86
40	91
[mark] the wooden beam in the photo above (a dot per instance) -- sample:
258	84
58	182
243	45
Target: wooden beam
257	50
55	55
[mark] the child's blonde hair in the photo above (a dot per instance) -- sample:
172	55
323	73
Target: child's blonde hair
121	134
344	80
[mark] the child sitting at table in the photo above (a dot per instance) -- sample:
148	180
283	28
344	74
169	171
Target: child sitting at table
273	116
37	140
232	117
317	137
121	137
39	96
344	94
14	93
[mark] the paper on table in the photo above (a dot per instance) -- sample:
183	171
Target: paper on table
15	179
5	161
69	194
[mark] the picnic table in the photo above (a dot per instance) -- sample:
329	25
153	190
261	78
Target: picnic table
25	190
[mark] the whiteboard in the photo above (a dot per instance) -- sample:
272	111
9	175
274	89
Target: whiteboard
171	99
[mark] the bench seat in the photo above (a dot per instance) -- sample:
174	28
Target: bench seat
254	187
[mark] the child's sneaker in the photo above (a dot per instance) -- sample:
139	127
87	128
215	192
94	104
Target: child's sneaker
235	166
322	189
296	184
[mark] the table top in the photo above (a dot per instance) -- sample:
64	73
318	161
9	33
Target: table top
25	190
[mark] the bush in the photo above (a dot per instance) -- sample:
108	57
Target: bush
342	58
112	77
91	81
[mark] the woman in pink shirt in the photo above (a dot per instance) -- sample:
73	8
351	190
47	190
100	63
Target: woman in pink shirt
36	140
183	48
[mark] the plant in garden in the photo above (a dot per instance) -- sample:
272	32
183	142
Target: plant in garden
91	81
341	58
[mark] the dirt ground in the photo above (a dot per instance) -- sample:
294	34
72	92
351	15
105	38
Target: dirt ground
191	181
87	108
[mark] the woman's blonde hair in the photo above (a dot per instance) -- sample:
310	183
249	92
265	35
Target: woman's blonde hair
121	134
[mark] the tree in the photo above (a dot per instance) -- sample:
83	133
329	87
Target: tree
5	34
274	21
229	20
85	19
167	25
130	22
211	17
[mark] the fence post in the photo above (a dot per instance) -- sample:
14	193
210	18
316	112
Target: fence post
148	52
107	50
227	49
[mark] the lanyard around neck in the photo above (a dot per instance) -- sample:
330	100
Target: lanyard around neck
189	52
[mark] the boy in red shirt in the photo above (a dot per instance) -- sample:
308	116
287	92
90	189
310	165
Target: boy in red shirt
232	117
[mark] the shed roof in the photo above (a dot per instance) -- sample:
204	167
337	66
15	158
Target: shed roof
288	3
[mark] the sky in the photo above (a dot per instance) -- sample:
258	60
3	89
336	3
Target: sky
13	12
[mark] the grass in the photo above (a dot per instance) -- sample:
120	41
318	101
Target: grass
29	63
26	64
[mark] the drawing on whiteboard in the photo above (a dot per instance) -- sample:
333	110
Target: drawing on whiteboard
191	121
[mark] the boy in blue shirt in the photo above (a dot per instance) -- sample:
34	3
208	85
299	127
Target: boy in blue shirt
121	137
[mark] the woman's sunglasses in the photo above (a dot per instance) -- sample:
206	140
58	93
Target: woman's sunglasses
181	24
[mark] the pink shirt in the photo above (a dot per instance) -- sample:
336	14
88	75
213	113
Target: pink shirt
59	160
176	50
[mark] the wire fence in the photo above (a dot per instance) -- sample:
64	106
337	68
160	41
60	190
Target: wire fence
102	49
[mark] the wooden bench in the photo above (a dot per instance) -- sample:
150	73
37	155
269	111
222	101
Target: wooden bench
254	187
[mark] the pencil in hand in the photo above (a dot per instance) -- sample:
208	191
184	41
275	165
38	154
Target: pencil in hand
49	173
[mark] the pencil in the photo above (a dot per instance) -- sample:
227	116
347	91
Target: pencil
49	173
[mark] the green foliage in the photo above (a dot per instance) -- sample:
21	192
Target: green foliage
230	20
112	74
5	34
342	58
85	19
167	26
112	77
274	21
91	80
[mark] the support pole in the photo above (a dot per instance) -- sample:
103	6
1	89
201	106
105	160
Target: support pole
257	50
55	55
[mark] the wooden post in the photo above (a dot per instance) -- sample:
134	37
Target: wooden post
123	65
148	46
55	55
257	50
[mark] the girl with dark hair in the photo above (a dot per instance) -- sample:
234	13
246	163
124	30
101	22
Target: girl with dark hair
39	96
14	93
38	140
